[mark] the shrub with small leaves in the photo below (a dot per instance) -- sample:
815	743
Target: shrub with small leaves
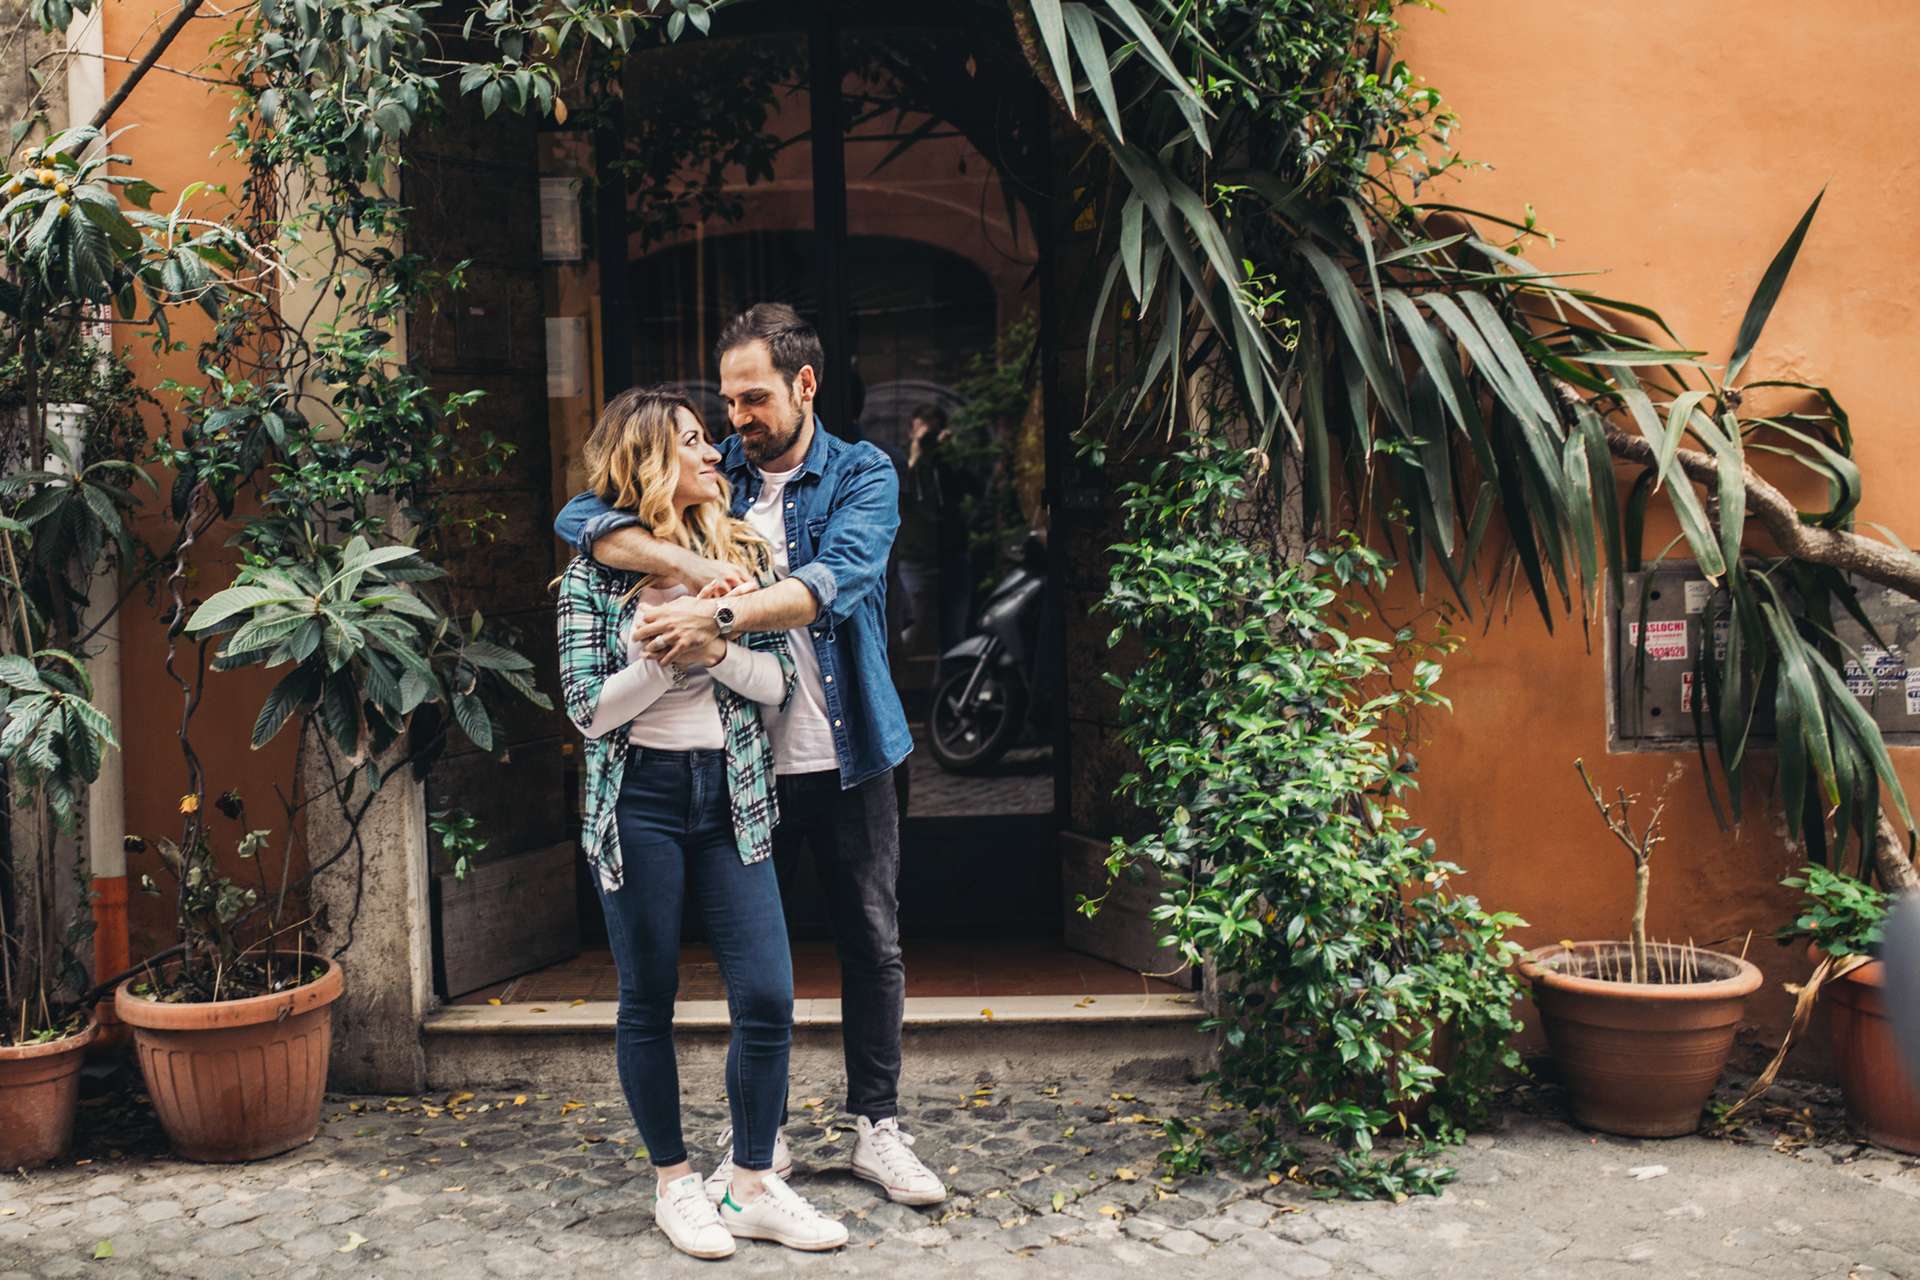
1358	992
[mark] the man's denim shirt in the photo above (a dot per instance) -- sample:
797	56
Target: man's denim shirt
842	512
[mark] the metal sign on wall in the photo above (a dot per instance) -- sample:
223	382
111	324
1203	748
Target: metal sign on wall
1655	692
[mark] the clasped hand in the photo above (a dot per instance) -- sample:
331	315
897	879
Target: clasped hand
682	632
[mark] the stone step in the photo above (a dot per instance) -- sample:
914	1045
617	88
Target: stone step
947	1039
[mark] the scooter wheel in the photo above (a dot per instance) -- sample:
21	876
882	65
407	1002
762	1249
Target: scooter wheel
970	736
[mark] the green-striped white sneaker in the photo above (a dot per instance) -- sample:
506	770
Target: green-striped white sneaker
780	1215
721	1178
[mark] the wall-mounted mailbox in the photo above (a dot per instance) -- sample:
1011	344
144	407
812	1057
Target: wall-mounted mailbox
1654	693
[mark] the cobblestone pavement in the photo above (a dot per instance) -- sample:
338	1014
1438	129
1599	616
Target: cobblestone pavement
1049	1179
1020	783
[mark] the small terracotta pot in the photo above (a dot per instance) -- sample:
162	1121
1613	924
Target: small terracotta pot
1639	1058
1881	1102
236	1079
39	1091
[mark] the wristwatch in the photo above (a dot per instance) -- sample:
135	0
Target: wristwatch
724	618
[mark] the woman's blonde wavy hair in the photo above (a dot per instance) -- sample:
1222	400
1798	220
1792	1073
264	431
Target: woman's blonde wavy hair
633	464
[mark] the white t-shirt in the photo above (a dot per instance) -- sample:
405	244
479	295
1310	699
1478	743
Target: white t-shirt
667	716
682	719
802	734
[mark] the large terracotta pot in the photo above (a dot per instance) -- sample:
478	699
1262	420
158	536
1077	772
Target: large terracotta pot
39	1090
1882	1104
236	1079
1639	1059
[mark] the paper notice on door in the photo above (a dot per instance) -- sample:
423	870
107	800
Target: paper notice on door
1913	692
1697	594
560	219
566	357
1666	641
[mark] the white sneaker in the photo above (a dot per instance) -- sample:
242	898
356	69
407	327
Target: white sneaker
689	1221
881	1155
780	1215
720	1179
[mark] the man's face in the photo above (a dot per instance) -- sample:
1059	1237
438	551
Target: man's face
764	408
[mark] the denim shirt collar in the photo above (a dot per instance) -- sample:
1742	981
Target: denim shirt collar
734	460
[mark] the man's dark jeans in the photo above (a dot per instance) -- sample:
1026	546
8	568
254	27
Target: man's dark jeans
855	837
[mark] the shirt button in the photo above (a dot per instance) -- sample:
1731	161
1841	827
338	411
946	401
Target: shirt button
836	724
789	506
789	541
829	679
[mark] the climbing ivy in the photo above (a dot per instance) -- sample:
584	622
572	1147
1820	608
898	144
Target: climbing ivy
1359	993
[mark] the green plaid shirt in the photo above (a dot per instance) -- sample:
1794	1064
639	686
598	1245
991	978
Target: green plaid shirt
593	626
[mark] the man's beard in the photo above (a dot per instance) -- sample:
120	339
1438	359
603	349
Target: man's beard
764	449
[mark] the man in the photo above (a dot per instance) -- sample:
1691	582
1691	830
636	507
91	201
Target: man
934	552
829	509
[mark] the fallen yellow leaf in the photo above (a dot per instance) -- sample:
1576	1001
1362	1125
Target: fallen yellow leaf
493	999
575	1004
451	1190
519	1099
1273	1179
354	1241
1110	1210
1125	1175
454	1100
569	1107
987	1014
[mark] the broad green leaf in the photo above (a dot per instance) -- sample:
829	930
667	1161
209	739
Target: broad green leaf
225	604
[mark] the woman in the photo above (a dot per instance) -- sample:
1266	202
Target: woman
680	800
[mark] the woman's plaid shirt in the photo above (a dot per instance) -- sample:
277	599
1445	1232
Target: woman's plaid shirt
593	626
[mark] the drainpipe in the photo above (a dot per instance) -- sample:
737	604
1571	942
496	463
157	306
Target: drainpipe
107	797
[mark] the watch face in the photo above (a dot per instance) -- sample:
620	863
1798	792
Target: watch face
723	618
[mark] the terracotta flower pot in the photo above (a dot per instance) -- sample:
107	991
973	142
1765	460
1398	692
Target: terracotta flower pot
39	1089
1639	1059
236	1079
1882	1104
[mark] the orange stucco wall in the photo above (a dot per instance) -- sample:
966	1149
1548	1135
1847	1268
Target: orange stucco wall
178	127
1676	150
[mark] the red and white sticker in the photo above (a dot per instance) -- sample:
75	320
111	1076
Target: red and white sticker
1666	641
1686	695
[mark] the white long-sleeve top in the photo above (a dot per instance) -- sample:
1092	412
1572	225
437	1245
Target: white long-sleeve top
686	718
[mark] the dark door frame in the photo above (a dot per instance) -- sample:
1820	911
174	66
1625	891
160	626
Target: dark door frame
820	23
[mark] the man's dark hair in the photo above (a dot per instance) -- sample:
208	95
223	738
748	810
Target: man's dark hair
791	341
931	414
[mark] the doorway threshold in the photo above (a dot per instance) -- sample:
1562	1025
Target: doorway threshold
946	1040
589	1016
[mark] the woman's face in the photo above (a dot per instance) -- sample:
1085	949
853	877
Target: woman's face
699	463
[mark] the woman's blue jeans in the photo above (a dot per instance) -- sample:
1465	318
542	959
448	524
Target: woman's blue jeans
676	839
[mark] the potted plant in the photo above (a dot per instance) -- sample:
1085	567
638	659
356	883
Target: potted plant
232	1027
1640	1031
1842	919
45	1028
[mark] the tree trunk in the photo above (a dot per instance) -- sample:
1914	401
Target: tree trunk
1642	874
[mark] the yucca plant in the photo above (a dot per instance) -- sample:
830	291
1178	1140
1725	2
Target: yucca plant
1263	241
